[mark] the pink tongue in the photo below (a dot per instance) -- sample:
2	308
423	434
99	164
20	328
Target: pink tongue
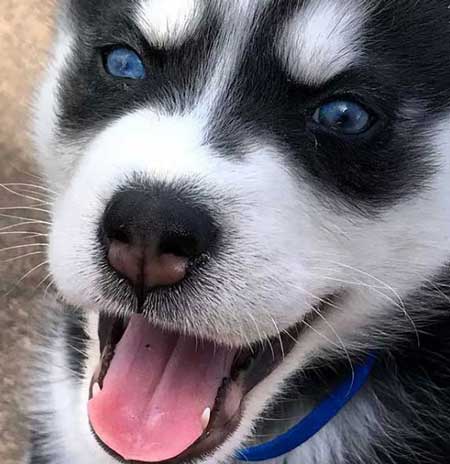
155	392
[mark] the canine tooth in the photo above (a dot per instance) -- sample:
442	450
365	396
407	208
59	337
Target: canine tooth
206	416
96	390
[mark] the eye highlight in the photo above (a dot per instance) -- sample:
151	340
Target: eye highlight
343	116
122	62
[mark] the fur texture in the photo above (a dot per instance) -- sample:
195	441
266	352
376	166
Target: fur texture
225	115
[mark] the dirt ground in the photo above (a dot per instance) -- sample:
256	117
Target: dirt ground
25	27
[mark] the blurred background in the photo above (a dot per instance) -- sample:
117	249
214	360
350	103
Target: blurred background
25	30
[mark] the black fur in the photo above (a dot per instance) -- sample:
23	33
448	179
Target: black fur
37	456
75	338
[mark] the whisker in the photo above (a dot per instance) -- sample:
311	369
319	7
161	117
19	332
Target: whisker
257	330
48	197
370	276
397	302
439	288
20	218
21	195
269	342
348	282
321	335
27	255
341	343
25	208
295	340
35	268
18	247
284	419
366	274
30	234
266	338
67	370
24	184
283	354
42	282
47	288
338	337
45	200
77	350
19	224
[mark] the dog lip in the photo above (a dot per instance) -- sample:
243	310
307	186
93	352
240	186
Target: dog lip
110	331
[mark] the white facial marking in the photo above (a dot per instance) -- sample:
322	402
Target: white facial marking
239	19
322	40
166	23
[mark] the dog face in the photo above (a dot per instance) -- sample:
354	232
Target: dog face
235	170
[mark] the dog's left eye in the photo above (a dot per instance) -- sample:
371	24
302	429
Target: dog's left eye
124	63
345	117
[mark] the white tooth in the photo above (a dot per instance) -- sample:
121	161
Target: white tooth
206	416
96	390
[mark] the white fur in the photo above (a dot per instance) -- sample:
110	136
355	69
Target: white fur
322	40
166	23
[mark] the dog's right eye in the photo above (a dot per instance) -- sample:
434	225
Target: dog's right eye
122	62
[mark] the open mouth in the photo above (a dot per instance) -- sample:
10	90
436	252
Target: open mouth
160	396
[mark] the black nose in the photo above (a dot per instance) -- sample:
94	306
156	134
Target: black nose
155	234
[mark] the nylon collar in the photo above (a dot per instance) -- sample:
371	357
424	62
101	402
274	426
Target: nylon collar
323	413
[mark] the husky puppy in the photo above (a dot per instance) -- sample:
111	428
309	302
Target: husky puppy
250	198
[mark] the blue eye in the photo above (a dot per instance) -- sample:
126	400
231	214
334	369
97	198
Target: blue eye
346	117
125	63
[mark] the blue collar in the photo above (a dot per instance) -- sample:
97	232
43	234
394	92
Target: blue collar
314	421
